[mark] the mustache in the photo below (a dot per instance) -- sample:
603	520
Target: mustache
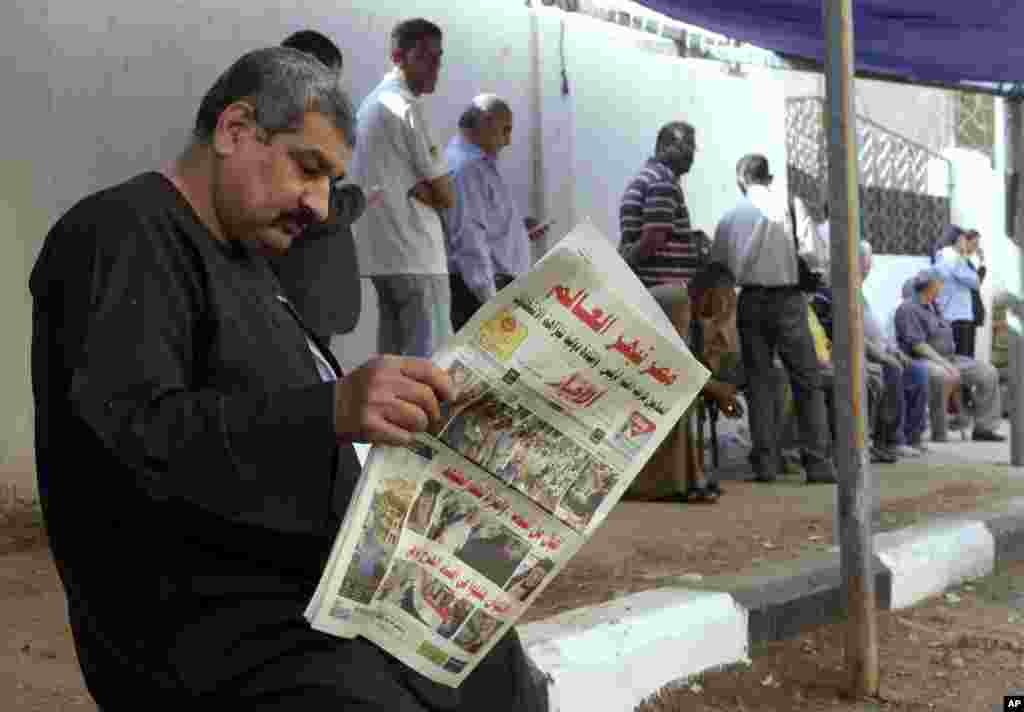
303	219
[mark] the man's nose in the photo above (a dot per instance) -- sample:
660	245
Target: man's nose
317	199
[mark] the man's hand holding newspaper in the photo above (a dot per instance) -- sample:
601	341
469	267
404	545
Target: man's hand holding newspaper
389	398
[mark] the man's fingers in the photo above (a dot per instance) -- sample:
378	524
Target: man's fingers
381	432
425	372
405	415
420	396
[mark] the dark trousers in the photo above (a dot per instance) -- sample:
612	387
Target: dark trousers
774	321
963	337
464	302
325	673
904	403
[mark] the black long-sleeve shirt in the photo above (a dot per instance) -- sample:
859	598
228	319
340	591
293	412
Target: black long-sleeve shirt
184	439
190	476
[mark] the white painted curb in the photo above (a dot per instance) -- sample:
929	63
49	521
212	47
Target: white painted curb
926	560
611	657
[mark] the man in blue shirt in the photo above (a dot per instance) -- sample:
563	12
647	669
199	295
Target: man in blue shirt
488	244
961	279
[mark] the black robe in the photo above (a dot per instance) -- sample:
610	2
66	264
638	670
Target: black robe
190	478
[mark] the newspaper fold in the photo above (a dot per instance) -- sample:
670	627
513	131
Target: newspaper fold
566	383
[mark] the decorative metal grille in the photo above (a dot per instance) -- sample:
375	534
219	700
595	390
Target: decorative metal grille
898	215
976	122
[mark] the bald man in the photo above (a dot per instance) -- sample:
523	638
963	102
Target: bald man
488	244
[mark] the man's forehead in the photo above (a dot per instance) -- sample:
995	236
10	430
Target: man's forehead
431	45
320	136
502	118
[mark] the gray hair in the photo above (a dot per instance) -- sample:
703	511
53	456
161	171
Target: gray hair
865	249
481	107
753	169
925	277
282	84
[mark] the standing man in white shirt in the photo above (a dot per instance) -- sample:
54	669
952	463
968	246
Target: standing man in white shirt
400	240
754	240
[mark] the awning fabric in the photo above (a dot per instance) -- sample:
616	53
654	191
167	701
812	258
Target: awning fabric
946	41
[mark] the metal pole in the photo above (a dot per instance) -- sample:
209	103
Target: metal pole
1016	391
854	491
1015	164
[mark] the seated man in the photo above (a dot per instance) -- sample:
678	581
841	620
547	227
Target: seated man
878	399
899	427
923	334
705	314
219	427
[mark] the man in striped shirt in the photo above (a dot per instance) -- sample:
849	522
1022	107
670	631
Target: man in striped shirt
663	250
657	241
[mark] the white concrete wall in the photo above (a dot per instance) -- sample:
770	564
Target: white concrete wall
922	114
98	92
623	96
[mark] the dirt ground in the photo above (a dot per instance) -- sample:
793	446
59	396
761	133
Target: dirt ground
751	524
38	668
958	652
39	672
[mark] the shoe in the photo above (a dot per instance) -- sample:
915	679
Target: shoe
693	493
880	456
904	451
715	488
791	464
988	436
822	480
701	494
940	438
760	477
921	447
822	474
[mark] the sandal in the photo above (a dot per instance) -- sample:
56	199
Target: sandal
701	494
694	493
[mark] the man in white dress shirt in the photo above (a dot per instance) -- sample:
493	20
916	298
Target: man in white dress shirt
755	241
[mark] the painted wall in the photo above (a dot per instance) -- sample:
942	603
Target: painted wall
102	91
622	96
922	114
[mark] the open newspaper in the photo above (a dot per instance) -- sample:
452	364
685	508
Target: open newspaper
566	383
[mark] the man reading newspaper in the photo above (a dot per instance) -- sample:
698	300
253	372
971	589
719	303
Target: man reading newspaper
193	436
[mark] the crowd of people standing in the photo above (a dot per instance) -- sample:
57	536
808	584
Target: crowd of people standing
921	373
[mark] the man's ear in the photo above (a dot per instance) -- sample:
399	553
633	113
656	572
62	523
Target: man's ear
235	123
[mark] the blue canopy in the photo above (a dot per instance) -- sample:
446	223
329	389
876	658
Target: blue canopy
947	41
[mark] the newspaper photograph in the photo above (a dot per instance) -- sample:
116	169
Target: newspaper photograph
564	389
